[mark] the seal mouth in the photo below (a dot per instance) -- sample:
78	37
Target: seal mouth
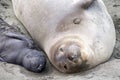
67	57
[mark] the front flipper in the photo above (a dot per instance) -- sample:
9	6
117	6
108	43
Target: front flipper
116	53
85	3
20	37
1	59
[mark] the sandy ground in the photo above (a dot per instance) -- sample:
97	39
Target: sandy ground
106	71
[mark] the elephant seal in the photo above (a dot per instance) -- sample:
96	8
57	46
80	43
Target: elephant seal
16	48
75	34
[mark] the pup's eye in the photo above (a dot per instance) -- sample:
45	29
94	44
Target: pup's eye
35	65
28	56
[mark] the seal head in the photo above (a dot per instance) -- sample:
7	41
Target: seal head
34	60
67	57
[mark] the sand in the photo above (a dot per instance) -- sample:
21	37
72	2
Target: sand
109	70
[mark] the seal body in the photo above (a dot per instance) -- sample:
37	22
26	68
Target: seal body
16	48
75	34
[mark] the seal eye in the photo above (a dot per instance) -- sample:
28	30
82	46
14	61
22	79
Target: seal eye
77	21
61	49
35	65
28	56
70	58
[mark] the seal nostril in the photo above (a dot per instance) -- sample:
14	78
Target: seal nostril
70	58
39	67
65	67
73	59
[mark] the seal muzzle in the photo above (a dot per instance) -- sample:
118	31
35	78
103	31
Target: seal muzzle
67	57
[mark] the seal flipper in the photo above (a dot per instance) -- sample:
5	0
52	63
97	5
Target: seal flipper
86	3
116	53
1	59
20	37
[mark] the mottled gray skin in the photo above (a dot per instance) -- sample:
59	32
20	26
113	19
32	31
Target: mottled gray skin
18	49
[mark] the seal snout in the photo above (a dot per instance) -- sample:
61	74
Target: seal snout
73	53
68	58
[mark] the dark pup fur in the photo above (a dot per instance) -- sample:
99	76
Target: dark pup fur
16	48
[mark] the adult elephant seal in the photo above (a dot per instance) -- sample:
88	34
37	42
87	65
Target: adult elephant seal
75	34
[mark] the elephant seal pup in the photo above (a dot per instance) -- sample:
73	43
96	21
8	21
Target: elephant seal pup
16	48
75	34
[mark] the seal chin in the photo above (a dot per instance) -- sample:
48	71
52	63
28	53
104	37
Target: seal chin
67	58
